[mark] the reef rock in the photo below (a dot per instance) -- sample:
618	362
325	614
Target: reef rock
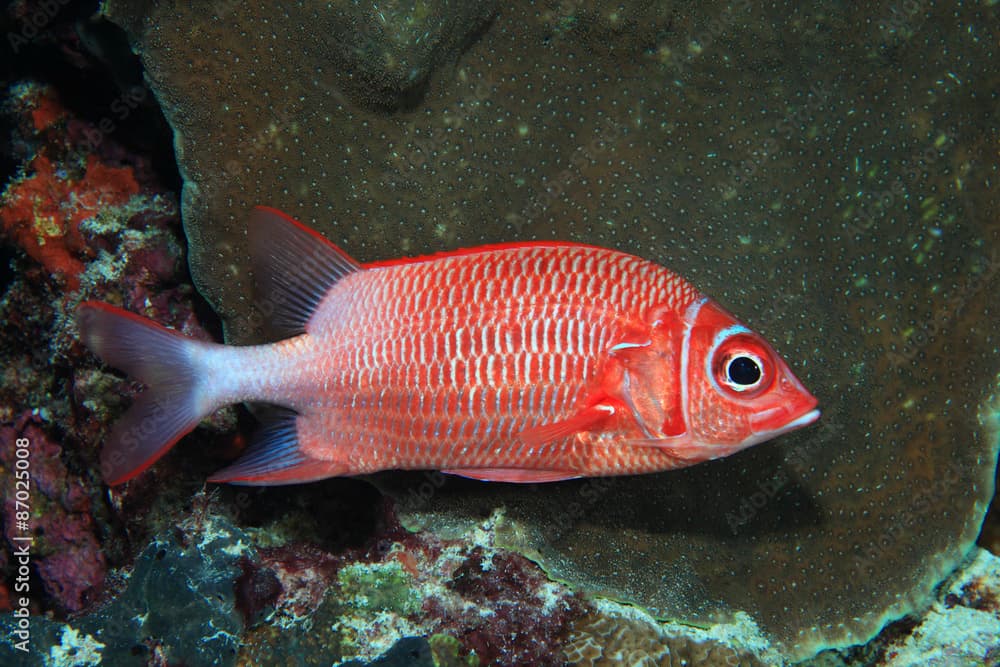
178	608
963	625
828	174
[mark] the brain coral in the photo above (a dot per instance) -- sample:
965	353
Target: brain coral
828	172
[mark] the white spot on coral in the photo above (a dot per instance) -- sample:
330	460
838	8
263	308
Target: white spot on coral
75	649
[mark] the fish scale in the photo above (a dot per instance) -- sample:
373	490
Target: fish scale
524	359
525	362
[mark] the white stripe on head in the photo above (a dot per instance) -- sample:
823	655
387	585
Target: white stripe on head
690	316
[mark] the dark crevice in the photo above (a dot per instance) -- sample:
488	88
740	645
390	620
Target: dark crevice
89	63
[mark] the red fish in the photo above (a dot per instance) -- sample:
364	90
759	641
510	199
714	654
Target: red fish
527	362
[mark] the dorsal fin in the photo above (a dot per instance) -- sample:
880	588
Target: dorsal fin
295	267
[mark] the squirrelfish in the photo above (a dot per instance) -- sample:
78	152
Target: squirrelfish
523	362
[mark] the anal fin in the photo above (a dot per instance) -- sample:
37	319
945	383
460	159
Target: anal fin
275	456
513	475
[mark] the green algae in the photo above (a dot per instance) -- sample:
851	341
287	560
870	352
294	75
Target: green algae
446	651
376	587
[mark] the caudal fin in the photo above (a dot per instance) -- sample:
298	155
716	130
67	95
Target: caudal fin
170	407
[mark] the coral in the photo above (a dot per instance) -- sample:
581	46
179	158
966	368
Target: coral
385	55
181	597
66	552
839	199
43	209
33	215
118	232
616	636
256	589
496	607
960	627
178	607
75	648
92	224
530	616
379	587
447	652
477	604
963	625
407	652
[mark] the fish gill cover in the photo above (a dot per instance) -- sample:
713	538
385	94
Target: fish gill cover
827	171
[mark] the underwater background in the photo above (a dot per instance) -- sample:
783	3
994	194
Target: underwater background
827	171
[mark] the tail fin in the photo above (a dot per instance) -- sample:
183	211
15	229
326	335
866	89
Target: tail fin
162	359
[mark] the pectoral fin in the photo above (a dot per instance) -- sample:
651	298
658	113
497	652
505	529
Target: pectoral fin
585	420
680	447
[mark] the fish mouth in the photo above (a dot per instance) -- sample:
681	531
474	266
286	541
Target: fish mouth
766	433
804	420
764	424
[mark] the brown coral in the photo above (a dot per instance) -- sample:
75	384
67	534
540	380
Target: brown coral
599	640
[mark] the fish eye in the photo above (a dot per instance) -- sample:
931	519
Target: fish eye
743	371
741	366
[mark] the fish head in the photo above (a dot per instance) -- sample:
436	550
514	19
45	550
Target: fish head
736	390
702	385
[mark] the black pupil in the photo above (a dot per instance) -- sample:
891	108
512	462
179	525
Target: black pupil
744	371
